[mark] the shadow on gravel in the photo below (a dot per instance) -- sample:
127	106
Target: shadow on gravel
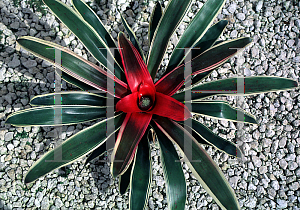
102	178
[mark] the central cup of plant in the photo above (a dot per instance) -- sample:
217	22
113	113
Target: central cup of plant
146	97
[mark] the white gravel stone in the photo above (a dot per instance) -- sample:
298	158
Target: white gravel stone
251	203
282	204
296	59
45	203
275	185
256	161
232	8
292	165
9	136
259	6
10	147
241	16
283	163
58	203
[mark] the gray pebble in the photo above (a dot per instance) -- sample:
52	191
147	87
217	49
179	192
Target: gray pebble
292	165
294	186
15	25
283	164
296	59
233	34
10	147
274	146
259	6
9	136
45	203
263	169
232	8
14	62
251	202
291	147
275	185
241	16
282	142
272	192
58	203
256	161
281	204
296	123
11	174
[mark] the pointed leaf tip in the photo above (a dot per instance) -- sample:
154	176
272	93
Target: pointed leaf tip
26	181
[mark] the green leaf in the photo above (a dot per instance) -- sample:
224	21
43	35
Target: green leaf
252	85
198	138
221	110
218	42
196	79
70	98
91	18
141	176
218	54
133	38
195	31
203	167
202	133
124	180
56	115
208	40
73	64
72	149
154	20
76	82
171	18
103	148
173	174
85	33
96	153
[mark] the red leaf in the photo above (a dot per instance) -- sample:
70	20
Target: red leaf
167	106
128	104
135	69
171	82
130	134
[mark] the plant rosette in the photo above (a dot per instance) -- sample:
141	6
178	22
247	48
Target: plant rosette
142	105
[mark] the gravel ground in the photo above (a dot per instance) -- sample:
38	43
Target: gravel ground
266	178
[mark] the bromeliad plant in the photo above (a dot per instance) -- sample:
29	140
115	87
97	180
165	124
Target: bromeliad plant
142	106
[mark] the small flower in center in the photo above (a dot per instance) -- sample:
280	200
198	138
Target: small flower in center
146	97
145	103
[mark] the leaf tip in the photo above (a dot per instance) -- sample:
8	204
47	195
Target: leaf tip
27	180
249	40
296	84
238	153
8	120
